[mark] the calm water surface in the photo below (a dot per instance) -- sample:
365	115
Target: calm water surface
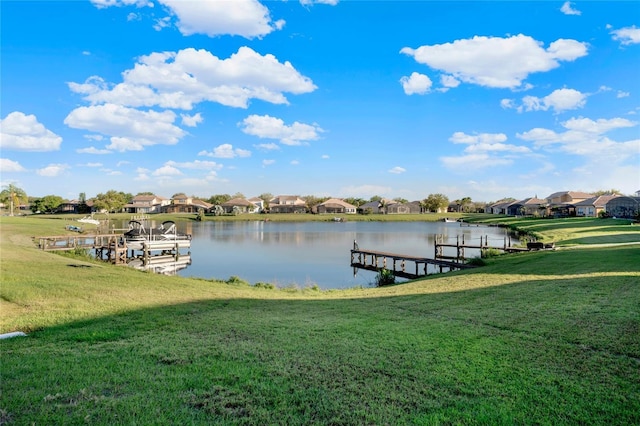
306	253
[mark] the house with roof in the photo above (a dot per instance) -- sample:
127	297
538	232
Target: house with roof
336	206
623	207
258	204
145	204
181	203
238	205
396	207
594	206
563	203
533	206
500	207
287	204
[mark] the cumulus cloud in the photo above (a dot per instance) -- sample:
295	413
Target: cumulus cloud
191	120
310	2
568	9
167	170
559	100
22	132
246	18
10	166
130	129
181	79
586	137
397	170
93	150
494	61
627	35
226	150
52	170
483	150
416	84
195	165
265	126
266	163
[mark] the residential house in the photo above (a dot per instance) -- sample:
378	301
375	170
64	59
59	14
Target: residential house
182	203
238	205
372	207
623	207
258	204
145	204
335	206
74	206
403	208
533	206
592	207
563	203
287	204
500	207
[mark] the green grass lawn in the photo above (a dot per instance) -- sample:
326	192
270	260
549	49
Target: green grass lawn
545	338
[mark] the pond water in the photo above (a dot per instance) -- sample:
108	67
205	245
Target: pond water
303	254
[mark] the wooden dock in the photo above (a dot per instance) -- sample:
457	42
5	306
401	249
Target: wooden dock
460	245
399	264
115	249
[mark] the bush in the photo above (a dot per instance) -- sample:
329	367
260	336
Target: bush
235	280
385	277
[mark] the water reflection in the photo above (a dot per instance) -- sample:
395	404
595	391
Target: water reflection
311	253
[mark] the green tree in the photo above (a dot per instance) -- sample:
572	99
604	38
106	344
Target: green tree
612	191
355	201
13	196
375	198
313	201
266	197
46	204
112	201
435	202
401	200
219	199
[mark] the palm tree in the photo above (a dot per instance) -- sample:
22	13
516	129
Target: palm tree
14	196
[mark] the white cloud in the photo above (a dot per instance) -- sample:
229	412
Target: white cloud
627	35
197	165
485	138
93	165
397	170
416	83
568	9
226	150
10	166
268	146
191	120
474	162
22	132
559	100
52	170
587	138
93	150
294	162
494	61
311	2
622	94
247	18
167	170
119	3
268	162
483	150
325	157
265	126
187	77
130	129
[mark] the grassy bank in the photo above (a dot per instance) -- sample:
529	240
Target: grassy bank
535	338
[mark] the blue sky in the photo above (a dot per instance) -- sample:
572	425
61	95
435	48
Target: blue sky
328	98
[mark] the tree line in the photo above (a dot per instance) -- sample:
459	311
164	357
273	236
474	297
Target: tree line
114	201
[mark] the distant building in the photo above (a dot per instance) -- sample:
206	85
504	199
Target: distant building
623	207
336	206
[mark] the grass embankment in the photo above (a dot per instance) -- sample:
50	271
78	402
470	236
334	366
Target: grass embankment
536	338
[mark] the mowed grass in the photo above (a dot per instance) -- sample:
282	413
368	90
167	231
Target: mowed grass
536	338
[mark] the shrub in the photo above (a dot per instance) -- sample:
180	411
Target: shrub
235	280
385	277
